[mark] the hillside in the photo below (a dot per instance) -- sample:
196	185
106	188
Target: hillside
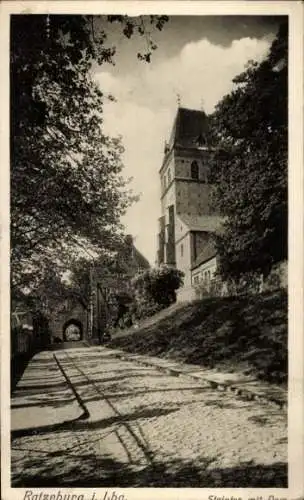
247	334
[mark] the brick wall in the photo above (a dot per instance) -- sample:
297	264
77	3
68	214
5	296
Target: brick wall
192	198
183	160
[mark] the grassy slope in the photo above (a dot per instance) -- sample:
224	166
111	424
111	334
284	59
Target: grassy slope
233	333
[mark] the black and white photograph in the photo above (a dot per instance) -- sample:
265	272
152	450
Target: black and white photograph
149	251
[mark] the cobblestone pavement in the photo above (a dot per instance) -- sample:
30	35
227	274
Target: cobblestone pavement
147	428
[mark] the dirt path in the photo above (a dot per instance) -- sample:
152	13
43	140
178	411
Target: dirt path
147	428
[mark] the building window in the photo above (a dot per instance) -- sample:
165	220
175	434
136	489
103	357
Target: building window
167	233
194	170
196	280
169	176
182	250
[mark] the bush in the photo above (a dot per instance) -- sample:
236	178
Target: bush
146	307
158	285
151	291
246	334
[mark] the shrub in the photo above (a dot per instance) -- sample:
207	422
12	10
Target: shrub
159	285
151	291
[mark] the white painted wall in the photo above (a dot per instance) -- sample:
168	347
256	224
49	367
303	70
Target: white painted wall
183	258
181	228
205	272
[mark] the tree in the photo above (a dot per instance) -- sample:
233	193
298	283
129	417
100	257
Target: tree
156	288
67	190
249	165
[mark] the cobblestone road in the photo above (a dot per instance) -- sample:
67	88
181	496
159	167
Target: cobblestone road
147	428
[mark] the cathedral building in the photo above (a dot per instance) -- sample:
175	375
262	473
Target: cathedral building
187	220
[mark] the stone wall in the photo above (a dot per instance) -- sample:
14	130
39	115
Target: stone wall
67	312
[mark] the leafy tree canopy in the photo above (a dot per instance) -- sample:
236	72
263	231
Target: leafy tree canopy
159	284
249	165
67	191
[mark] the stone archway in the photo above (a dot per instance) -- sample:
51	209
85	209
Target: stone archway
72	330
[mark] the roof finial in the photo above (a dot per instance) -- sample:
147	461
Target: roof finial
202	104
178	97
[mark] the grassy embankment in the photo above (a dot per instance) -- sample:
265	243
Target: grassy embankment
247	334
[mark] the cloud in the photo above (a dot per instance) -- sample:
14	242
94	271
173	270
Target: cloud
143	133
202	73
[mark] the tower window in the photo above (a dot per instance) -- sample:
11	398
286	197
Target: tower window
194	170
182	250
169	175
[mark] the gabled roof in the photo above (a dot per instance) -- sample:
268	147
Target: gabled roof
140	260
207	223
131	259
190	129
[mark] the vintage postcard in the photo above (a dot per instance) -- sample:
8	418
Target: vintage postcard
152	250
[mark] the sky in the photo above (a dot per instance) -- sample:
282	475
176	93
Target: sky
197	57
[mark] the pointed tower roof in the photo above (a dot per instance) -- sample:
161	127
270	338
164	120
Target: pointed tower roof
190	128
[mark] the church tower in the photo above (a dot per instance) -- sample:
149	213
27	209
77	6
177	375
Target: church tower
186	217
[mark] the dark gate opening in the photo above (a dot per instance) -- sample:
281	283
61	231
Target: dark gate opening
72	330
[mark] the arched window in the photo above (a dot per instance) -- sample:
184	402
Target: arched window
194	170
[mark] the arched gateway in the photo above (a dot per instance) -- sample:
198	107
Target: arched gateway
72	330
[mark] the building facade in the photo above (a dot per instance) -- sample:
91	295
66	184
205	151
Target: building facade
187	220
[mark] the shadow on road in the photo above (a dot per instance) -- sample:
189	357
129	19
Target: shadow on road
81	423
96	472
76	465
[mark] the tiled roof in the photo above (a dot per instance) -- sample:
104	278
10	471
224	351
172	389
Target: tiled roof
131	259
140	260
208	252
208	223
190	127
